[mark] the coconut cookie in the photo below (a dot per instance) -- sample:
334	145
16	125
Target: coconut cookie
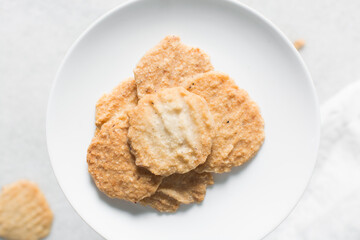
120	99
179	189
170	131
110	162
161	202
112	166
167	64
186	188
239	127
24	212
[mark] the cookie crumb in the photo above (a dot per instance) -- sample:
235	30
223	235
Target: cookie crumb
299	44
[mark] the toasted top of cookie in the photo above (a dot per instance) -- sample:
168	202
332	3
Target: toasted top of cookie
24	212
239	127
167	64
170	131
110	162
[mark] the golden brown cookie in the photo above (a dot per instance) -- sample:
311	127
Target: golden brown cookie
186	188
113	167
179	189
119	100
170	131
161	202
167	64
24	212
110	162
239	127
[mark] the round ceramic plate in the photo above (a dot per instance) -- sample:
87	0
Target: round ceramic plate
247	203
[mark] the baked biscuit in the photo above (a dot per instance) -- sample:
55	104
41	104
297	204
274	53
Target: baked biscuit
161	202
239	127
167	64
24	212
119	100
186	188
179	189
170	131
110	162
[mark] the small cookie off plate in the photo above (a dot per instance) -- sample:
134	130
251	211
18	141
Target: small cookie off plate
247	203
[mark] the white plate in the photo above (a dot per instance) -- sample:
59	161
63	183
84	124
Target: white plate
247	203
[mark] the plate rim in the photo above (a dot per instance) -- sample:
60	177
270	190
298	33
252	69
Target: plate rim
238	4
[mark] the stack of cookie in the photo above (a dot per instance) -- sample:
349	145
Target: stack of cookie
161	134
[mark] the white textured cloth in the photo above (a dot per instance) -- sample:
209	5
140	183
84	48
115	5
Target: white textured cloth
330	207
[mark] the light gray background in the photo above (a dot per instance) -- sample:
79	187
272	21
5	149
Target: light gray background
35	35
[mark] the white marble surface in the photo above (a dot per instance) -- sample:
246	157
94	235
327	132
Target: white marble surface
34	36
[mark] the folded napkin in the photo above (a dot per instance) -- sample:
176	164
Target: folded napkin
330	207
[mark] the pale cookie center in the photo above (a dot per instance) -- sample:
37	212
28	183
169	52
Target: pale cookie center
175	130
